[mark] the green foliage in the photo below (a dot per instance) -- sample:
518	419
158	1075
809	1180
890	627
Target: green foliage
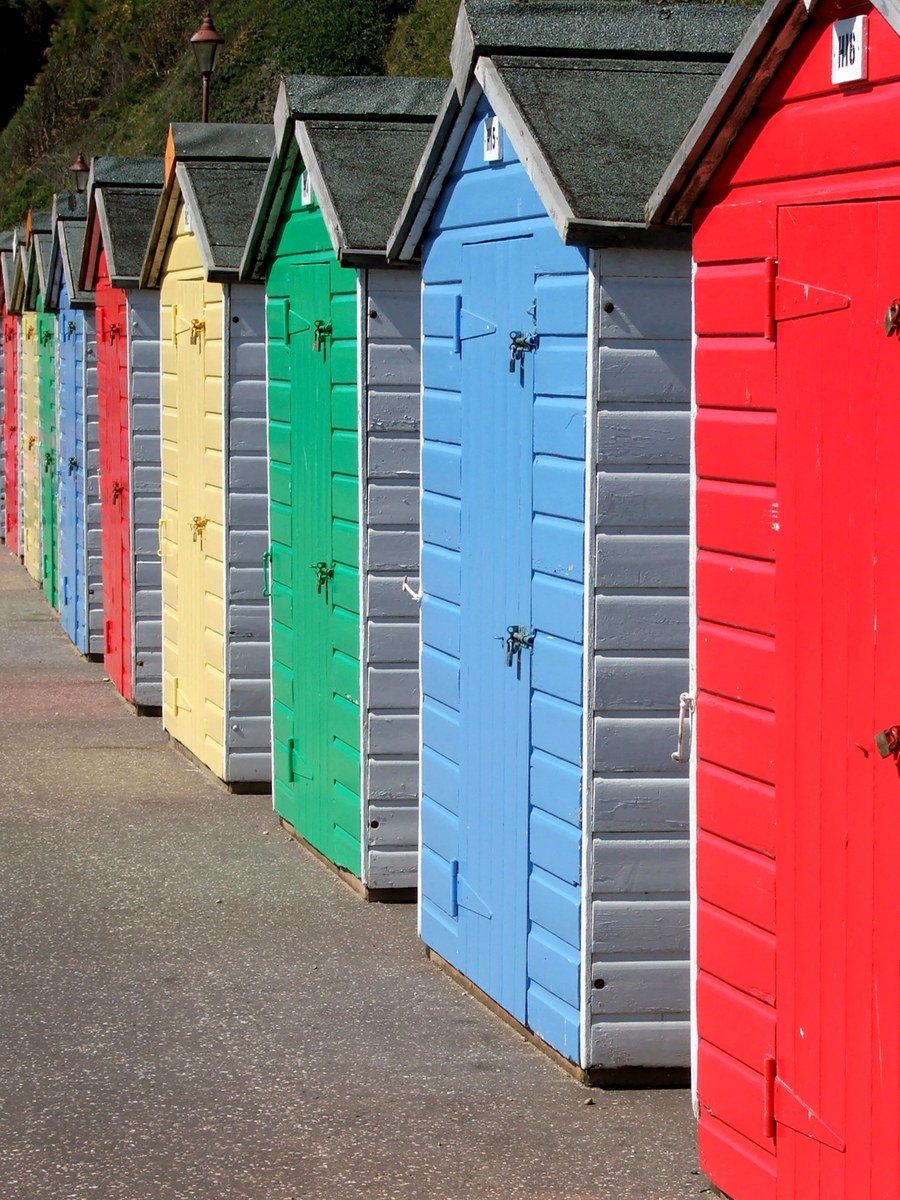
421	41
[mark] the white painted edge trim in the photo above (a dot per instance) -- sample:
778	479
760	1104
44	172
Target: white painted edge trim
421	743
362	437
132	552
692	688
592	397
198	225
529	152
320	190
436	183
269	550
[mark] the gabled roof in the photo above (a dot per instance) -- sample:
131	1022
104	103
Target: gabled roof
360	138
69	219
593	97
766	44
122	197
37	257
219	170
7	238
13	267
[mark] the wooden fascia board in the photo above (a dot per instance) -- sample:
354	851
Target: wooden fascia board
198	225
90	255
608	235
161	235
56	268
462	53
526	145
323	196
431	174
77	298
271	201
764	47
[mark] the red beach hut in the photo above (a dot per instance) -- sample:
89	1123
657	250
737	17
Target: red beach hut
791	176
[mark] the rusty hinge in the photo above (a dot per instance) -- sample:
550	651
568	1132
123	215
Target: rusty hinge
782	1106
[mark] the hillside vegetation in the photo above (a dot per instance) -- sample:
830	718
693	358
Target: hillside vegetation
116	72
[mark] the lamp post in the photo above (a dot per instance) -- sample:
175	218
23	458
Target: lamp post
205	42
80	171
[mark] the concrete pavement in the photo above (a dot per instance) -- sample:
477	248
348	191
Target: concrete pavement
192	1008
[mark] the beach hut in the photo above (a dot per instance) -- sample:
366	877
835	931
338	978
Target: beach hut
6	354
36	300
123	195
30	465
78	480
791	182
555	457
11	397
213	529
343	365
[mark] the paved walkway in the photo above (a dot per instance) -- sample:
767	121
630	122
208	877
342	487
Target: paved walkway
192	1007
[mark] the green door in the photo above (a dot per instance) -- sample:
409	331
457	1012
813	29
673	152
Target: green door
46	332
314	487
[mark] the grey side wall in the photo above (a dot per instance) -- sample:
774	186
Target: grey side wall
2	445
640	854
92	489
248	726
146	478
389	428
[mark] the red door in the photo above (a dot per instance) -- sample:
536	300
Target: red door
837	1066
115	505
11	428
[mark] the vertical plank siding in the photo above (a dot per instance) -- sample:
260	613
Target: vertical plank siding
91	471
640	1001
248	736
11	429
47	456
30	469
390	307
145	491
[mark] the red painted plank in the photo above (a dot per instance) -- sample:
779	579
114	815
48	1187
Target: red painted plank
736	664
737	230
737	880
733	1094
735	445
737	808
736	591
734	299
737	518
735	952
737	736
737	1024
739	1167
735	373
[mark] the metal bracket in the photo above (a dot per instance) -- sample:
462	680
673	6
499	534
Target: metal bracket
406	586
685	709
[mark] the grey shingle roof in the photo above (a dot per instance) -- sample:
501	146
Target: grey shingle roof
375	97
69	225
220	171
123	194
596	97
606	127
366	168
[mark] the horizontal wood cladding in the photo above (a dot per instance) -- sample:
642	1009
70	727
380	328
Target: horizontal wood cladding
736	1163
735	299
735	446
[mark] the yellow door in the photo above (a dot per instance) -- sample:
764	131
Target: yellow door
31	501
192	517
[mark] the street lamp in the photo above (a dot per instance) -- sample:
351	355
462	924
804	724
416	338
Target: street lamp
205	42
80	171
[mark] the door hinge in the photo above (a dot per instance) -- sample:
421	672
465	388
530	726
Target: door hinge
466	896
298	767
782	1106
467	325
794	299
178	704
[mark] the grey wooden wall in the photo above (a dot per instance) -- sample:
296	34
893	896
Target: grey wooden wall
3	441
248	727
640	854
93	550
146	481
390	307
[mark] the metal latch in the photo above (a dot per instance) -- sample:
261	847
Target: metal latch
518	638
887	741
892	319
198	328
48	461
117	490
324	573
321	330
198	525
520	344
113	331
46	335
685	710
73	465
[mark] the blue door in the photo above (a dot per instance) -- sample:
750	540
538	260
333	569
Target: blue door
72	560
502	624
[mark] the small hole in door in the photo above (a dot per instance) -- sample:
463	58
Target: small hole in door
374	824
599	983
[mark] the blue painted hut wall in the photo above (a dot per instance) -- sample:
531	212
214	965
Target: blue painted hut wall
503	479
80	597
